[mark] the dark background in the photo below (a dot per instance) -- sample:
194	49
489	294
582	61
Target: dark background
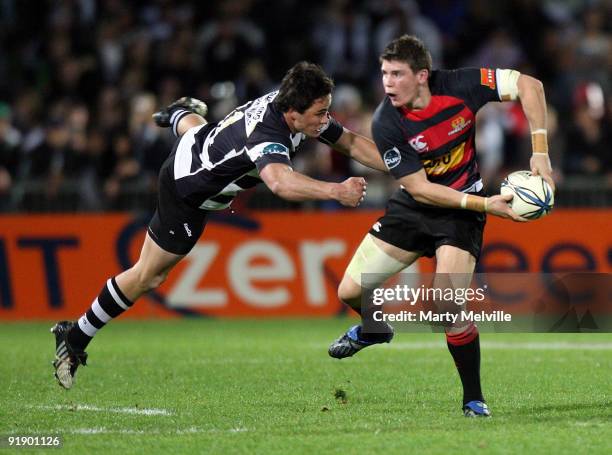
79	80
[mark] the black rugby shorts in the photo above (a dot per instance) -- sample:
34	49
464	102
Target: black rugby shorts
175	226
416	227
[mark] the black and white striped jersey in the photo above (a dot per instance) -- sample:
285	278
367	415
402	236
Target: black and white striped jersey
216	161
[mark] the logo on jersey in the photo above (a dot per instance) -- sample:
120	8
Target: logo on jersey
458	124
418	143
275	147
229	120
267	148
443	164
487	78
377	226
392	158
256	111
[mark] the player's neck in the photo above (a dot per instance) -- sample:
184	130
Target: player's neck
421	101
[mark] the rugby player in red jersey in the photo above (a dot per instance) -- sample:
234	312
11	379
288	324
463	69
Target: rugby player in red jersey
425	131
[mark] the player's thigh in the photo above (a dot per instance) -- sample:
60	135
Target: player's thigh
150	270
374	261
173	231
190	121
154	260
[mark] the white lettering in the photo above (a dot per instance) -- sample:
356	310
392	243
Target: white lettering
432	316
495	316
242	273
185	292
377	296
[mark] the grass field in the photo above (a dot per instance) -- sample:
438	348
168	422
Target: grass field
201	386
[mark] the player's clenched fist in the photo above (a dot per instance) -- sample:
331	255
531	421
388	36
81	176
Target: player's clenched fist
352	191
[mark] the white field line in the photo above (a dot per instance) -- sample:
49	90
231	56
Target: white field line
526	345
86	407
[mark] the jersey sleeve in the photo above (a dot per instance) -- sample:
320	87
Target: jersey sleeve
399	157
478	86
263	150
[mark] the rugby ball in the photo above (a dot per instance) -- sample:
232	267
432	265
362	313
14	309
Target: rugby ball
533	196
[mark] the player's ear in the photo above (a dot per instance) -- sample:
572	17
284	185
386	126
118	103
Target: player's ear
292	114
422	76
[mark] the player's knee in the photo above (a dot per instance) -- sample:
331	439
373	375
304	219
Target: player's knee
148	280
188	122
157	280
349	291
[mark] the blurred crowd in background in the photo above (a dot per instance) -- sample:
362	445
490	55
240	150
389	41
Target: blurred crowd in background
79	80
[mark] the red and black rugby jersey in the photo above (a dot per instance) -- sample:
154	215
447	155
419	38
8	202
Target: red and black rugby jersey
439	138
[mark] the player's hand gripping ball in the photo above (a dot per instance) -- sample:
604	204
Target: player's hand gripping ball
533	196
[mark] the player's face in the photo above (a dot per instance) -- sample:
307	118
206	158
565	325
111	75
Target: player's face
313	119
401	84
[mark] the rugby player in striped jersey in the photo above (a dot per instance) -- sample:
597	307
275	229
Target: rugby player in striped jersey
210	164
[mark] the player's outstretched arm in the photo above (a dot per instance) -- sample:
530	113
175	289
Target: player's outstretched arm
360	148
293	186
422	190
533	102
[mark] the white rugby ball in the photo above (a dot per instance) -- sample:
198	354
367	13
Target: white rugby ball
533	196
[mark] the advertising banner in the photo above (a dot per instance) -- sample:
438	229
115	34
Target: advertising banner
259	265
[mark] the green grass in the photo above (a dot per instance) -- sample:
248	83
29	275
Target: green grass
269	387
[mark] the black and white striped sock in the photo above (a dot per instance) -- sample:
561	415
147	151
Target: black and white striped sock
175	118
109	304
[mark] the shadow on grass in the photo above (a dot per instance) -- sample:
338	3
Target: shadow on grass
596	410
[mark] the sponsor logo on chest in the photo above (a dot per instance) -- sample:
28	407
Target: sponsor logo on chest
459	124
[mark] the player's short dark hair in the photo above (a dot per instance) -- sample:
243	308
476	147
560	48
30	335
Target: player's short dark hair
409	49
301	86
